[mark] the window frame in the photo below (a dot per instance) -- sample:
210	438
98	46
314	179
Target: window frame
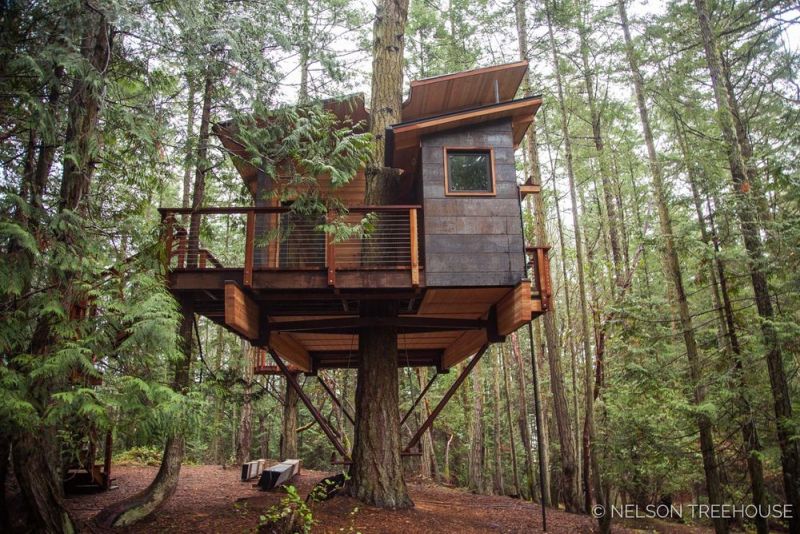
492	174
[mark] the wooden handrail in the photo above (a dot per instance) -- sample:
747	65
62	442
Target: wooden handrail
414	243
276	209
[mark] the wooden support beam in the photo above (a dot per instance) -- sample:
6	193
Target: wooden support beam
414	242
242	313
249	248
290	349
442	403
528	189
461	348
323	424
514	310
427	324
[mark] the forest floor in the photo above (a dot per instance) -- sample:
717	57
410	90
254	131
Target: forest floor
212	499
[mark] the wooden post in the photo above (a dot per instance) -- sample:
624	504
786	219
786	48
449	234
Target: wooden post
249	243
414	243
330	253
547	292
203	258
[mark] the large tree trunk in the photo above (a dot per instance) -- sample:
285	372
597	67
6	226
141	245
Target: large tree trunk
377	471
730	342
557	387
673	268
376	476
589	453
747	215
289	424
35	453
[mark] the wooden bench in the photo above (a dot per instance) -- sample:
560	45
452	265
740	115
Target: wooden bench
279	474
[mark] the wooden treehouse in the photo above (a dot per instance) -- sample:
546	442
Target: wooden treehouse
450	253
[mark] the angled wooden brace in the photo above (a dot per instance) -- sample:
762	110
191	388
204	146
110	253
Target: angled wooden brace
291	379
442	403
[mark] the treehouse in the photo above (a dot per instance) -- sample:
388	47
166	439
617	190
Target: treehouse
450	252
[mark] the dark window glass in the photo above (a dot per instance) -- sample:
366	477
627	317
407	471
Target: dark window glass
469	171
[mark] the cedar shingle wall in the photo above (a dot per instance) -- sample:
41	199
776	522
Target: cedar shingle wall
472	241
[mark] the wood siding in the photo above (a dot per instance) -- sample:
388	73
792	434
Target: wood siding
472	240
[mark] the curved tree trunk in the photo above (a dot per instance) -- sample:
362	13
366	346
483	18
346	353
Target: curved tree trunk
139	506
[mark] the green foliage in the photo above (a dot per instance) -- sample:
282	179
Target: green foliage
138	456
292	514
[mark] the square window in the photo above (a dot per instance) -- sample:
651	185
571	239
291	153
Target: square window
469	171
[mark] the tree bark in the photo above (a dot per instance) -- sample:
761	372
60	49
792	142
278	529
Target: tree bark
746	213
589	454
558	390
376	476
35	460
289	424
200	169
672	266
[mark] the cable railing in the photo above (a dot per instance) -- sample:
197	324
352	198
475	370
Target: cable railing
276	238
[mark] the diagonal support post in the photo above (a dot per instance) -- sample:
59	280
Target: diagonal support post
418	399
335	399
291	379
442	403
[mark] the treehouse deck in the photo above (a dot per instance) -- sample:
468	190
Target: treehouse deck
307	312
450	254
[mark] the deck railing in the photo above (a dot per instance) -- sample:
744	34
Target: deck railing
276	238
539	269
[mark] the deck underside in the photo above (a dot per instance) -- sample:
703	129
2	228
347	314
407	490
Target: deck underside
296	315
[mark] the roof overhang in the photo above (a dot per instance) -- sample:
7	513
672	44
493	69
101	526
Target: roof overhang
463	90
407	135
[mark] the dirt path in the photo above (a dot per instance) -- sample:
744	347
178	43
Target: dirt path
212	499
